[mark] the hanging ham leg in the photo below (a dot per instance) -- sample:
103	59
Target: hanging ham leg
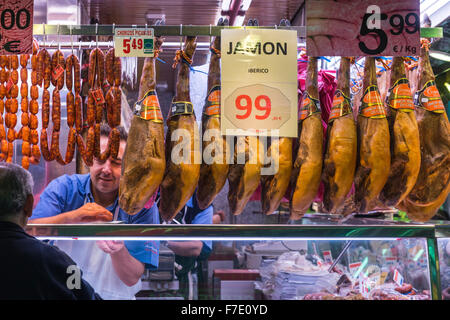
404	133
433	182
308	161
340	156
374	156
214	168
144	159
183	156
244	174
274	186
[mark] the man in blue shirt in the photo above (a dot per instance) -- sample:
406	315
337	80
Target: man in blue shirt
32	269
113	268
189	255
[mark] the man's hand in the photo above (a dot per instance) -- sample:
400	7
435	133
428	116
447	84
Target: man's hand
90	212
110	246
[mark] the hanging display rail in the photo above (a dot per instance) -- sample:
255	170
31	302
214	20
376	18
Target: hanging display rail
179	30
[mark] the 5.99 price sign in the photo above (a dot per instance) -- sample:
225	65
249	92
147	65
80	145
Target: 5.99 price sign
259	82
16	27
132	42
362	28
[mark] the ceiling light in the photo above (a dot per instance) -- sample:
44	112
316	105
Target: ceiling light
226	5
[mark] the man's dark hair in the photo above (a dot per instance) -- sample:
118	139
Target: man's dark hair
106	129
16	184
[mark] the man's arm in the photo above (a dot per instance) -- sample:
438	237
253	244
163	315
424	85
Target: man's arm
89	212
127	268
186	248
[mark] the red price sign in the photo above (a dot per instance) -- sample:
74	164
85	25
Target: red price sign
370	28
16	27
257	108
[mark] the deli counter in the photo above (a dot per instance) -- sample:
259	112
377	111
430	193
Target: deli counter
319	258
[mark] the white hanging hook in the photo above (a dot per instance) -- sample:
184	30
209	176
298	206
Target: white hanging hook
59	43
210	36
113	32
43	38
181	37
71	37
96	34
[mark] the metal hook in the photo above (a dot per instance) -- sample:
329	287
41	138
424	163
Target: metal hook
181	37
43	38
210	37
96	33
71	37
57	31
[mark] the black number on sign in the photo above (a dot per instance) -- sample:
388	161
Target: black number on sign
3	19
27	18
415	24
399	26
381	35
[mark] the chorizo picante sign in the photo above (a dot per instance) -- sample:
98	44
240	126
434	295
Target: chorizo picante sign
259	82
16	27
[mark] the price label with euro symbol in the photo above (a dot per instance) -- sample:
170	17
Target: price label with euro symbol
362	28
16	27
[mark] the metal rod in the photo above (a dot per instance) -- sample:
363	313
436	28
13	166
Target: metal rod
107	30
347	245
110	44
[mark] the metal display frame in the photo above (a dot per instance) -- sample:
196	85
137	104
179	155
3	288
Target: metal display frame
343	232
253	232
159	30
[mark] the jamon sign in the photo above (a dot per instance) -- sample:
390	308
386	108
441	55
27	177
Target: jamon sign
16	27
259	82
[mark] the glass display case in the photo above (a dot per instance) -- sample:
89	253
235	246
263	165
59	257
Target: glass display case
443	244
320	259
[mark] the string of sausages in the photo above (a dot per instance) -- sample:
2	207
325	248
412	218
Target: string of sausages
95	101
12	104
3	79
33	109
43	79
113	103
74	106
24	132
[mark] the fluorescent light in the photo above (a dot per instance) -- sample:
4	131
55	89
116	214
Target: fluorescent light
440	56
361	267
226	5
213	238
246	4
239	20
417	256
447	85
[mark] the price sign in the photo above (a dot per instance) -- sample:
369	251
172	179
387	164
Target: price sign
131	42
16	27
259	82
370	28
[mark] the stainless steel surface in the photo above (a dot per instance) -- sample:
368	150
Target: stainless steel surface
227	232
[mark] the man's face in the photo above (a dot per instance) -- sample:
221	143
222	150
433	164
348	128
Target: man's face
105	176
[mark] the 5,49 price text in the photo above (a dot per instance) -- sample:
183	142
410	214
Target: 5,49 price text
132	43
